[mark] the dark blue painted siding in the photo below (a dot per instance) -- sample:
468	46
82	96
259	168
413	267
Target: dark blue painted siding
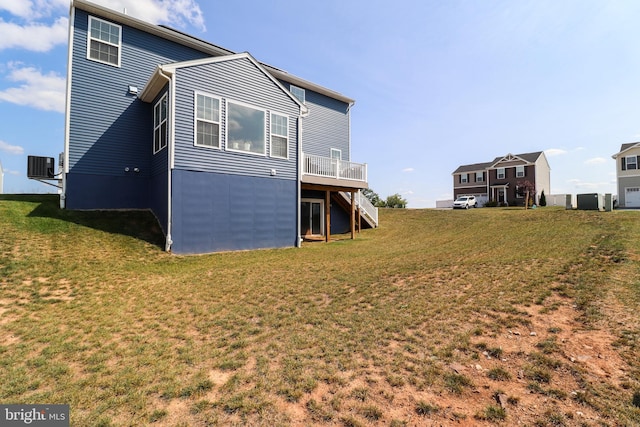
218	212
241	81
107	191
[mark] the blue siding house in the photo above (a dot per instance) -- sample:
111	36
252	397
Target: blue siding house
227	152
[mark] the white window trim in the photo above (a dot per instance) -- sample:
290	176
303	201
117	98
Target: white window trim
303	92
480	175
518	171
195	120
635	162
226	130
165	99
271	135
89	38
504	173
336	150
464	178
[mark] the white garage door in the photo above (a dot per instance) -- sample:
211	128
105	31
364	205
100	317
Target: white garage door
632	197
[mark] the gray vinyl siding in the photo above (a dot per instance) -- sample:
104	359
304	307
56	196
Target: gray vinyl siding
234	80
326	126
109	128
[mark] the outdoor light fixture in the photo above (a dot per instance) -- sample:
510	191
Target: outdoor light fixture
133	90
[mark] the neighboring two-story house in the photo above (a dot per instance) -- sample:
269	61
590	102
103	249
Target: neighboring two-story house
500	180
628	175
227	152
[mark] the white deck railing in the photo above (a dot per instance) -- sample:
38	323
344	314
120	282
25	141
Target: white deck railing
333	168
366	207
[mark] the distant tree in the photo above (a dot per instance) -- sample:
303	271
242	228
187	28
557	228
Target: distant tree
373	197
543	199
396	201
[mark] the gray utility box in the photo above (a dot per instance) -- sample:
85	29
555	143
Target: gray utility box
590	201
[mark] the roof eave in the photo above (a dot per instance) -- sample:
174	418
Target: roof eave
283	75
150	28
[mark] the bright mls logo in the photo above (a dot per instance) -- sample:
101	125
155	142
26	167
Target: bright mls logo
35	415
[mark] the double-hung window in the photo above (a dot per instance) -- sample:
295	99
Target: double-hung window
500	173
519	171
207	121
479	176
160	124
279	136
104	41
464	178
631	162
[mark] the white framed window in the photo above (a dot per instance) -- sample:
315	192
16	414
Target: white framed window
160	124
336	154
298	92
479	176
279	136
520	171
464	177
207	120
246	128
104	41
631	162
500	172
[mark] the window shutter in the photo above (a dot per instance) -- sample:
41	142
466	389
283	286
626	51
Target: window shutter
637	162
624	164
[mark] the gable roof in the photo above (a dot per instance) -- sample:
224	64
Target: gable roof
625	147
198	44
159	78
476	167
526	157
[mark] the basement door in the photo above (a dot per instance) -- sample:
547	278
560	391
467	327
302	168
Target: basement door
312	217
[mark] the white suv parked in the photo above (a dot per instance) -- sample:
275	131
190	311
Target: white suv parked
465	202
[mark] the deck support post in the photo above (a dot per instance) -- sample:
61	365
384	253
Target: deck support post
353	215
327	215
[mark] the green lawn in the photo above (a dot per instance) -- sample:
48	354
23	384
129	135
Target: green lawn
355	332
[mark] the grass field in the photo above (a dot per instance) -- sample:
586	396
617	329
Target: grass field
435	318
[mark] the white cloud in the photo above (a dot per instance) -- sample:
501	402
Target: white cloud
11	149
595	161
11	172
407	170
41	91
554	152
33	9
35	37
175	12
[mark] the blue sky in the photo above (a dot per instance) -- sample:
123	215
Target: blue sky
437	84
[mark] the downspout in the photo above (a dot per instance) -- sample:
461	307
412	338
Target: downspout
299	184
168	240
303	113
67	111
